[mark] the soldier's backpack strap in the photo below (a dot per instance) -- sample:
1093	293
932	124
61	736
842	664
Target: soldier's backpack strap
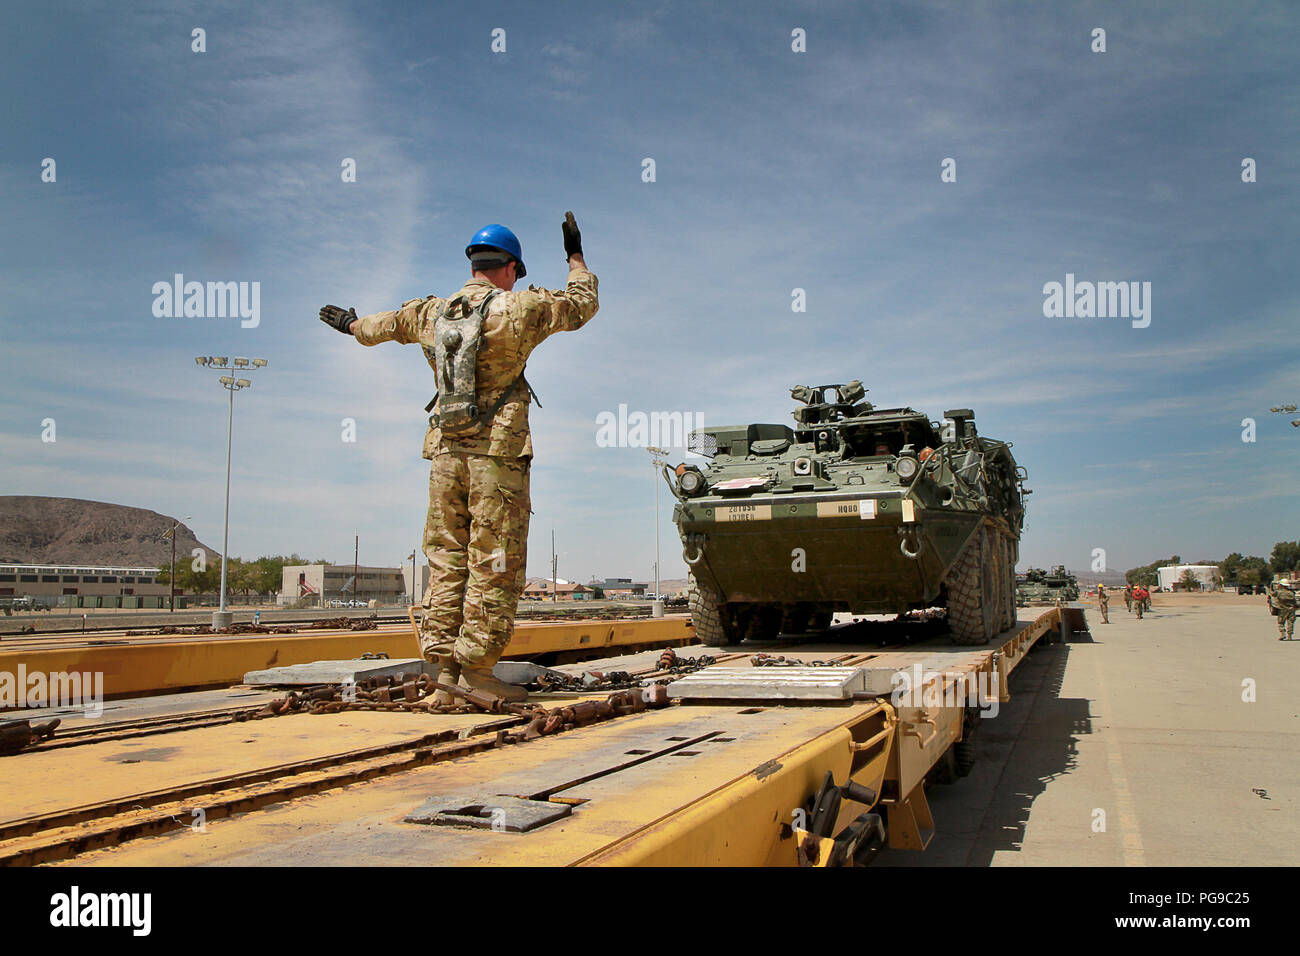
527	384
480	313
485	416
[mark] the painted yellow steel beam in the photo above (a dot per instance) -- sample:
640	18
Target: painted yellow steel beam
153	667
752	820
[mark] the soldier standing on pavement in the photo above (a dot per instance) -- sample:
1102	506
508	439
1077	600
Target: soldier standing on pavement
1103	604
478	442
1139	600
1282	602
1128	598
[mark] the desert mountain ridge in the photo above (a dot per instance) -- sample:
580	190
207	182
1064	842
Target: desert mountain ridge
41	530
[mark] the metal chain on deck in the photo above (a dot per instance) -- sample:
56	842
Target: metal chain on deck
631	693
767	660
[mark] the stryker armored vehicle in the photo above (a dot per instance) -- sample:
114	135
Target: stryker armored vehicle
854	509
1043	587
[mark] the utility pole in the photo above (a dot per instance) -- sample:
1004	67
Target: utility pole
658	460
356	578
171	580
555	580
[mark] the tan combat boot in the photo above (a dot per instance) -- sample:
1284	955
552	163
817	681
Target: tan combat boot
479	677
448	672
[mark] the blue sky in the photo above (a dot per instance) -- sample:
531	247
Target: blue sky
775	170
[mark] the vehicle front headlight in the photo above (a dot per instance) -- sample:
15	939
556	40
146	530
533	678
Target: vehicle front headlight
907	468
690	481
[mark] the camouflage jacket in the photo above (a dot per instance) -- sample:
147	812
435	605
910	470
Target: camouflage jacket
516	323
1281	597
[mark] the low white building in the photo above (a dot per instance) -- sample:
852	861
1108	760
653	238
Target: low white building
319	584
1207	574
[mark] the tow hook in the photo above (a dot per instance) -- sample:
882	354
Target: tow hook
693	548
911	544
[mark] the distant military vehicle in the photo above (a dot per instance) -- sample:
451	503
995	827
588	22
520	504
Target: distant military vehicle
1037	586
855	509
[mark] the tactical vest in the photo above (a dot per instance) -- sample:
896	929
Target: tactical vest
457	335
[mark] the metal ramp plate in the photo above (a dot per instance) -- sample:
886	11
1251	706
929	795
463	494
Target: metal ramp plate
769	683
333	672
501	813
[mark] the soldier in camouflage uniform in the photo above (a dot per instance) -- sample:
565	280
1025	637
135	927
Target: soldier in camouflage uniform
1282	602
476	534
1103	604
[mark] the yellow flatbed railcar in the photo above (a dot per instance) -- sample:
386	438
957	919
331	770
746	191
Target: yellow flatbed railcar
174	780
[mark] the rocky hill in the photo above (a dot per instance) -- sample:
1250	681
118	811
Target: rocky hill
36	530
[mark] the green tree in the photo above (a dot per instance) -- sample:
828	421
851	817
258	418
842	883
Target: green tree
1146	574
1189	581
268	574
1248	577
1285	557
241	577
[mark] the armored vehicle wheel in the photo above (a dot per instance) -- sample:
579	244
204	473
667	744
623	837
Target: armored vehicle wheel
713	625
821	620
972	593
963	751
1009	582
944	770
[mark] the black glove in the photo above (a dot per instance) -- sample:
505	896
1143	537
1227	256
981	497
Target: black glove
572	237
340	319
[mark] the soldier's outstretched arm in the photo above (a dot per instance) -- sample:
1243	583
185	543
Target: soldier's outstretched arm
400	325
548	312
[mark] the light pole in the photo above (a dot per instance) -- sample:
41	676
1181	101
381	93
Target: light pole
221	618
657	458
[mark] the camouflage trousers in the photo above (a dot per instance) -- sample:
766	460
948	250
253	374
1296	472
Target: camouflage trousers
1286	622
1104	608
476	539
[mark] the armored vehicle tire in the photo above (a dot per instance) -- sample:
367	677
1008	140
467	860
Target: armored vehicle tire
973	593
712	626
1009	588
944	771
963	753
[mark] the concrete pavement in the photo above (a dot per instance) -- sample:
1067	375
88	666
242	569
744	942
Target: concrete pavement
1136	745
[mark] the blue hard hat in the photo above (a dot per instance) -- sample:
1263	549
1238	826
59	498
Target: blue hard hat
497	236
